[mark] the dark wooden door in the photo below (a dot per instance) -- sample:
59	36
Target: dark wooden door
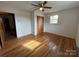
40	21
9	24
2	35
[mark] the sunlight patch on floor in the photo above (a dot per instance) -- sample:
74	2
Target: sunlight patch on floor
32	44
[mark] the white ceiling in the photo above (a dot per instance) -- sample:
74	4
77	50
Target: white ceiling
26	5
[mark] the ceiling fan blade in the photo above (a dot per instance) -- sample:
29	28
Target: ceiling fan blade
45	2
35	9
36	5
48	7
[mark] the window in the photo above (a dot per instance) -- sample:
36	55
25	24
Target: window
54	19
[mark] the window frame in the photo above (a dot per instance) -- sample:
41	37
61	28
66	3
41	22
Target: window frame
54	19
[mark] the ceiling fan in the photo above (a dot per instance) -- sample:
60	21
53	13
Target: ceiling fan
41	6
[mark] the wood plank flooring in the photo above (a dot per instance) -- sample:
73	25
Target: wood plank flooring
44	45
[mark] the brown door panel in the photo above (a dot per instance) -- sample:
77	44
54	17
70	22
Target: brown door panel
40	21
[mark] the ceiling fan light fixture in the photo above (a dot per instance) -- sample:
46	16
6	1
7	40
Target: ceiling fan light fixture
41	8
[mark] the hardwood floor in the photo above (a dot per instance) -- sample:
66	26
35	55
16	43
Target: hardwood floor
46	44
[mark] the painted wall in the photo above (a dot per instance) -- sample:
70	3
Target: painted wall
77	38
67	25
23	24
32	22
22	19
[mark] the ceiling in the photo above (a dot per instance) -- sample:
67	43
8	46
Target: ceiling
27	5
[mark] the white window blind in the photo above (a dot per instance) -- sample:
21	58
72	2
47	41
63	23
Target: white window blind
54	19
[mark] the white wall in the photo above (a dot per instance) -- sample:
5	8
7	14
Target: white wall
22	19
23	24
32	22
67	23
77	38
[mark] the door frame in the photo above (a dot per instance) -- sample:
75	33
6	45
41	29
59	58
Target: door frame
35	24
6	13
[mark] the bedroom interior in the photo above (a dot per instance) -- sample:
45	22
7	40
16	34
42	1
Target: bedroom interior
39	29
